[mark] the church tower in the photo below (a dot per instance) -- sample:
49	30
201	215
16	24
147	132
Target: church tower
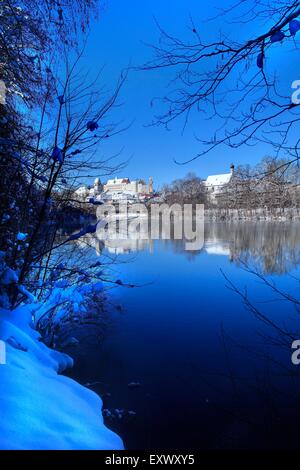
98	186
150	185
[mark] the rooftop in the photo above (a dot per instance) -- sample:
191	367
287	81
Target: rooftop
118	181
218	180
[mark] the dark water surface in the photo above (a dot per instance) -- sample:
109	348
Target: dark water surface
212	374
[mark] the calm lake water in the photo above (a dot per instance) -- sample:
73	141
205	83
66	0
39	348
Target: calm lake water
212	374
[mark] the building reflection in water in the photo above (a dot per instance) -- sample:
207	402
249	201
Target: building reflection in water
273	246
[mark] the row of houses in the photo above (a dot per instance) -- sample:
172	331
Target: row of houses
118	189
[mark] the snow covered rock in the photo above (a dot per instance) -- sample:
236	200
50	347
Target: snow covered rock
40	409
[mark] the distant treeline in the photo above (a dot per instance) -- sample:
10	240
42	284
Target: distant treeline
272	183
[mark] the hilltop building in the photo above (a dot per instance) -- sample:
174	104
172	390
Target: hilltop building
124	185
116	189
85	192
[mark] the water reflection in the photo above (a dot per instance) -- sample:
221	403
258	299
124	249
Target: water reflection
273	246
212	373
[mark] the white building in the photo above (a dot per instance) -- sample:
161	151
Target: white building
83	192
117	189
215	184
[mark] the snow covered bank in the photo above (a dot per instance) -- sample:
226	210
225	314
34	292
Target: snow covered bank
40	409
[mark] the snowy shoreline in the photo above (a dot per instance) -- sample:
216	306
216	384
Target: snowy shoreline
39	408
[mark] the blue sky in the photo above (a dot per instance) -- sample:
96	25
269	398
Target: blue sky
116	39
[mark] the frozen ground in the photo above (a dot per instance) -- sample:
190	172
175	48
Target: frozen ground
39	407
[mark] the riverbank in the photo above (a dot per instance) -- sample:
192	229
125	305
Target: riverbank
280	214
41	409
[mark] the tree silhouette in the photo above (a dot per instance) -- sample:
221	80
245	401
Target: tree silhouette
233	82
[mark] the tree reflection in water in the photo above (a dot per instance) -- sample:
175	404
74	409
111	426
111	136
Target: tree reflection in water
274	247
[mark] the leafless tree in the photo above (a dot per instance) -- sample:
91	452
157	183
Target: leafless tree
272	183
32	34
44	153
232	81
187	190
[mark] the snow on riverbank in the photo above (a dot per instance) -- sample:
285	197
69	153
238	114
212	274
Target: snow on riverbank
39	408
